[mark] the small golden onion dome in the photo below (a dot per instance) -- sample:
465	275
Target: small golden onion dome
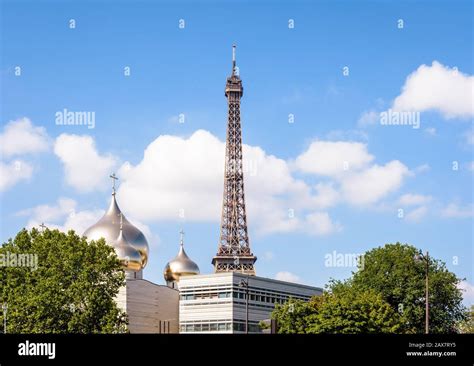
129	257
180	266
108	227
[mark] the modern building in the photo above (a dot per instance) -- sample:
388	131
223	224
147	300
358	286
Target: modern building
217	303
151	308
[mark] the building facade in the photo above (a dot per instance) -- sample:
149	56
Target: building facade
151	308
217	303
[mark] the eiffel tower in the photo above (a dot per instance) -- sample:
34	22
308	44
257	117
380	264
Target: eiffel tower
233	254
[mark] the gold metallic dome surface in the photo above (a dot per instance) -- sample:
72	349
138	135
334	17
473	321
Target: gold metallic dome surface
180	266
108	227
129	257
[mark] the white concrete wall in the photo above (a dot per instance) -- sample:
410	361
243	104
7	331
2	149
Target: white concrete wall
147	305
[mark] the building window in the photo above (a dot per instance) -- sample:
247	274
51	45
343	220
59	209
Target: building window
254	328
239	327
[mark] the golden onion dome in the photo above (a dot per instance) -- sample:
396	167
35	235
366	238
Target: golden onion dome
129	257
108	227
180	266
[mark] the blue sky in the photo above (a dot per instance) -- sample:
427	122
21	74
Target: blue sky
285	71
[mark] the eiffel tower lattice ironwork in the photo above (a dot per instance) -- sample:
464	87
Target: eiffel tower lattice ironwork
234	254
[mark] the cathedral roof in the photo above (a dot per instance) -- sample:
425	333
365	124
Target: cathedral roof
108	227
181	265
129	257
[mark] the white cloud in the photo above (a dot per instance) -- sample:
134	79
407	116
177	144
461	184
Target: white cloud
20	137
437	87
368	118
422	168
316	223
410	199
468	292
319	223
326	195
287	276
347	135
13	172
453	210
374	183
50	213
184	176
416	214
64	216
187	173
175	174
333	158
270	215
85	169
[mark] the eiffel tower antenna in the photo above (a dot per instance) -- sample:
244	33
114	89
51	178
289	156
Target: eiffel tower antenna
233	253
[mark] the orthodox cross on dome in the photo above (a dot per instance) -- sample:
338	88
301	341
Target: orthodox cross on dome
114	178
181	237
42	226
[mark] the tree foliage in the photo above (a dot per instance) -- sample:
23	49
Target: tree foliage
347	311
72	290
339	310
385	295
293	316
393	272
467	325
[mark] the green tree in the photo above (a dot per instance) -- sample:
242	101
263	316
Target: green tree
292	317
393	272
72	290
467	325
386	294
348	311
340	309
